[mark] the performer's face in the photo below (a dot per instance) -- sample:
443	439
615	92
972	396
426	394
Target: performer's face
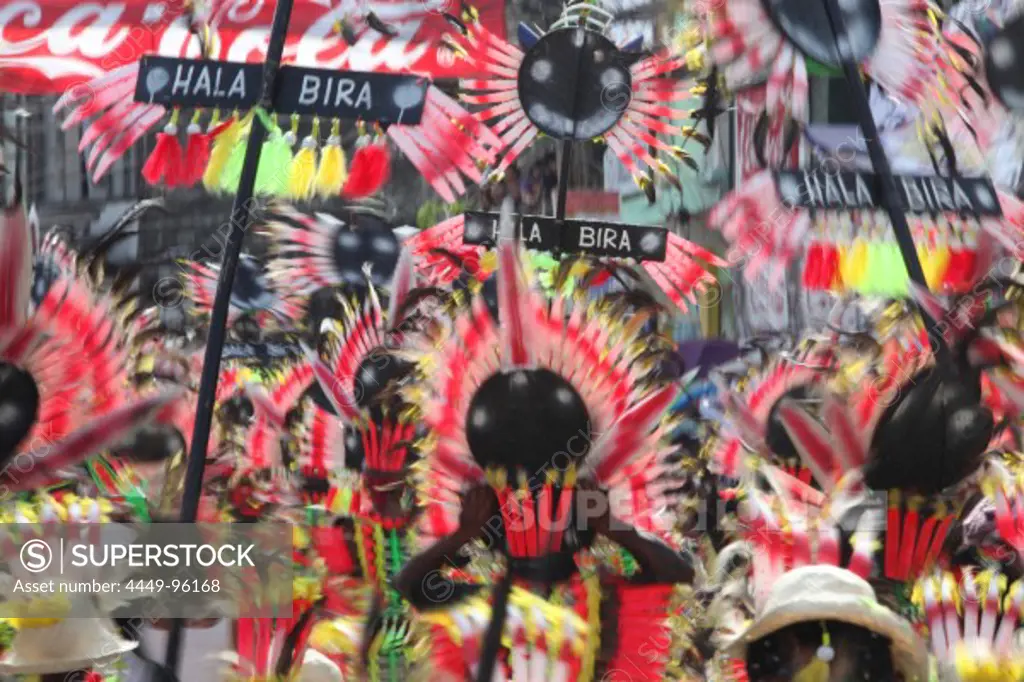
857	653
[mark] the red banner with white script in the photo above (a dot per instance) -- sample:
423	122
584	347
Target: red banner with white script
48	45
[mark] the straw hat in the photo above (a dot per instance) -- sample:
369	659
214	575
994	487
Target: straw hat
318	668
49	646
818	593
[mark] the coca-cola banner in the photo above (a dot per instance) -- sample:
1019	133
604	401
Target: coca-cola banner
48	45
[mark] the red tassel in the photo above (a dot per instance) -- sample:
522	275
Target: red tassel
370	170
197	152
165	163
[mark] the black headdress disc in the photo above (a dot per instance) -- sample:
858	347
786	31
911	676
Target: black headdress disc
527	420
574	84
932	437
805	23
19	408
365	238
377	371
1004	65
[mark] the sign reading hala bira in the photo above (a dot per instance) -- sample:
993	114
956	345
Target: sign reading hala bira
920	194
573	236
383	97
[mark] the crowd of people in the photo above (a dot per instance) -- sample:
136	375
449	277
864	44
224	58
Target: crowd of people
533	191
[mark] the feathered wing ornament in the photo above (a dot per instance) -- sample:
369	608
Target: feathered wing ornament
754	426
981	72
446	146
646	112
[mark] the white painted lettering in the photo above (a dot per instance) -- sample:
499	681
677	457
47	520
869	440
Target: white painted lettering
344	95
310	90
181	85
588	237
203	84
238	86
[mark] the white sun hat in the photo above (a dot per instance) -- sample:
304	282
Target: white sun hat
49	646
318	668
822	592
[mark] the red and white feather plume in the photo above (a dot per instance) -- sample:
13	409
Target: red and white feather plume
744	41
72	347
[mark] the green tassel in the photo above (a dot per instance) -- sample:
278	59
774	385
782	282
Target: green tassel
272	175
232	174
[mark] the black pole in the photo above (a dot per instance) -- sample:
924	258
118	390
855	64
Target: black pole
563	179
241	218
890	195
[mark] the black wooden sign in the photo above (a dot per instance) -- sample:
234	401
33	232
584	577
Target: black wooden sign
383	97
483	229
920	194
198	83
260	351
639	242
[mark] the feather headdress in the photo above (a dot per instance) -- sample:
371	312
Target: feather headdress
63	365
753	44
567	373
972	622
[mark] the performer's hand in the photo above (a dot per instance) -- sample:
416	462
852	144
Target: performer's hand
596	509
479	509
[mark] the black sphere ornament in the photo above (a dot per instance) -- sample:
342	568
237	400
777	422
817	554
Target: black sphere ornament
1004	65
932	437
807	26
574	84
364	238
19	408
529	420
379	369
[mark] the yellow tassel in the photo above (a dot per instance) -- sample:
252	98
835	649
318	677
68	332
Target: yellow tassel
302	171
331	176
222	147
819	669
